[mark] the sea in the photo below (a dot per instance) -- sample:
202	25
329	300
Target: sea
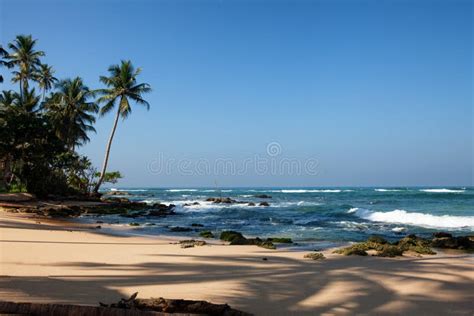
310	216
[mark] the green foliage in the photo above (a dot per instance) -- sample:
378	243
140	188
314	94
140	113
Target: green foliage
38	139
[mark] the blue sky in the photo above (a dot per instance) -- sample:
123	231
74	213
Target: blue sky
377	92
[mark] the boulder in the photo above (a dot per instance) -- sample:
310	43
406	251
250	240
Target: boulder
206	234
263	196
263	204
315	256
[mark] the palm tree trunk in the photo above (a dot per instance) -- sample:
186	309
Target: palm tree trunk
107	152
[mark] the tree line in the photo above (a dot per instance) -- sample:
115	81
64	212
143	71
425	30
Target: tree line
44	122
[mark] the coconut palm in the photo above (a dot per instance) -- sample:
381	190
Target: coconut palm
45	78
3	61
72	112
122	89
24	56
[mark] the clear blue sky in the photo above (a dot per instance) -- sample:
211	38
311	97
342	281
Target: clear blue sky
379	92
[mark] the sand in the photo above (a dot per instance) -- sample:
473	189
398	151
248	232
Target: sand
62	263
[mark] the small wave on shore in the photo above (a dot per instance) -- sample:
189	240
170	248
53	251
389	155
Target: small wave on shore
416	219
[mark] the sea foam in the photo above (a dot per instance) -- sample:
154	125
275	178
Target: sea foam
416	219
442	191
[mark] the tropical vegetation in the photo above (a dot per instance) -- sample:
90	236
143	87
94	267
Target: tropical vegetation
45	121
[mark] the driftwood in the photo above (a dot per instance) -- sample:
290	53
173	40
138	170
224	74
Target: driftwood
125	307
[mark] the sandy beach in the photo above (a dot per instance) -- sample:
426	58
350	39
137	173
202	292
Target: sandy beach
62	263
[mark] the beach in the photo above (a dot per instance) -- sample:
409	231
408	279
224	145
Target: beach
56	262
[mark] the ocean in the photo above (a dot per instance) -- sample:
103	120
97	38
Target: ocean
309	215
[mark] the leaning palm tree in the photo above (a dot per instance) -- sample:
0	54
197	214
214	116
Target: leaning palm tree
122	88
72	112
24	56
45	78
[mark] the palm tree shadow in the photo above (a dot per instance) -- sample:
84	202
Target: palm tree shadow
280	285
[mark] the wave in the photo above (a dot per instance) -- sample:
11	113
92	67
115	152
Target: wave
181	190
388	190
308	191
415	219
442	191
128	190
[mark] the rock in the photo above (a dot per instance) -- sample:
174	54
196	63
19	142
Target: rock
266	244
225	200
197	225
206	234
191	243
315	256
377	239
389	251
416	244
117	193
264	259
281	240
236	238
134	224
263	204
179	229
230	236
98	227
354	250
263	196
461	242
442	235
251	204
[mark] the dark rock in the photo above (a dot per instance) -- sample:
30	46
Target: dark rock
230	235
263	196
197	225
134	224
206	234
442	235
98	227
263	204
251	204
281	240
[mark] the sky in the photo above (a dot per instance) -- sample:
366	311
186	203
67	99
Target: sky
272	93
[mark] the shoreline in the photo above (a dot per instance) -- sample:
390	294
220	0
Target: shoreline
57	263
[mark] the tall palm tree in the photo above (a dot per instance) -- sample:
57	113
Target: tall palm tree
45	78
3	61
24	56
71	111
122	88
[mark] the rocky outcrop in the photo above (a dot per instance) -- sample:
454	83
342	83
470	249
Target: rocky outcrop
315	256
263	204
236	238
263	196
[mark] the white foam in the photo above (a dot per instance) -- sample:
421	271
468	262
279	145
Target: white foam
416	219
387	190
127	190
309	191
181	190
442	191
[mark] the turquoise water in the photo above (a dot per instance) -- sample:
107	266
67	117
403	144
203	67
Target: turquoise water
312	214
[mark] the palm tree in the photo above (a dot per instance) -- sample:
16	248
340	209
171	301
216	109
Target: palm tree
24	56
4	63
45	78
71	112
122	88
